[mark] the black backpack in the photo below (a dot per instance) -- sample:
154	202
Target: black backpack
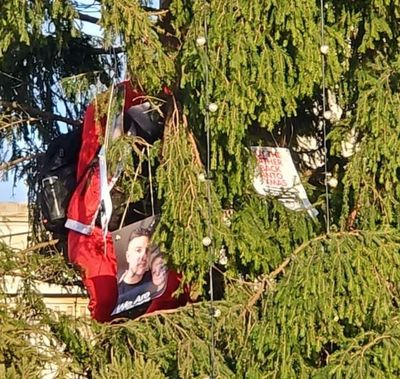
57	174
57	179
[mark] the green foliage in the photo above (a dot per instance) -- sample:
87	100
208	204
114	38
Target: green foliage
339	299
262	61
298	303
332	311
379	190
149	64
282	231
186	210
23	21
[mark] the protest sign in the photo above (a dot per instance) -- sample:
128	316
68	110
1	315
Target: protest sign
275	175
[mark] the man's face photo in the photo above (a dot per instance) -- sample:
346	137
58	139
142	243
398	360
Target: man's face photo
136	255
142	270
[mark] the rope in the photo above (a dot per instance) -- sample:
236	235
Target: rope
208	190
150	182
323	62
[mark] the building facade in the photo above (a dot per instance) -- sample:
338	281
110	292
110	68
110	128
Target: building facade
14	232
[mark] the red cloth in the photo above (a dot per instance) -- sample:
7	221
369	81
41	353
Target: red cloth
85	200
99	268
99	276
167	300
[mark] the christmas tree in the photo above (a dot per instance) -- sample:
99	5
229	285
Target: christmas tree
302	297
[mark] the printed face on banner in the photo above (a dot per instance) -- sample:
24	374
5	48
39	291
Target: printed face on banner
142	271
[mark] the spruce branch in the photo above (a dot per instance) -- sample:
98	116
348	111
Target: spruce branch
106	51
11	164
21	121
39	246
88	18
254	298
265	282
48	116
372	343
194	145
298	250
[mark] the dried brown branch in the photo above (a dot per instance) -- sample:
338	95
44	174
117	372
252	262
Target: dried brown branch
155	11
103	51
10	124
195	150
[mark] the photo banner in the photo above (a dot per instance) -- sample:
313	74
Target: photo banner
276	175
142	271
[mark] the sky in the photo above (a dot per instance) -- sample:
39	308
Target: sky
10	194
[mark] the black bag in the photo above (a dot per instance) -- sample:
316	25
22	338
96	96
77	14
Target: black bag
57	175
57	179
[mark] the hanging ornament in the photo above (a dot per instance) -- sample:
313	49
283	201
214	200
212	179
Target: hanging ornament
212	107
202	177
332	182
324	49
327	115
200	41
206	241
223	259
217	312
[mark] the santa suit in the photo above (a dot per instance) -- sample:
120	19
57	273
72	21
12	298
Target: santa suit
87	248
85	201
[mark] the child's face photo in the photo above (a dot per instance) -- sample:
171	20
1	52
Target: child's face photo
158	271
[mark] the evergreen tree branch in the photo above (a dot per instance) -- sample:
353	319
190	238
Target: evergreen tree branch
169	311
193	142
88	18
272	276
254	298
48	116
94	20
5	125
296	252
155	11
372	343
11	164
39	246
103	51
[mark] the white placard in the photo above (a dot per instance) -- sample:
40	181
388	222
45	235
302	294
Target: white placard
275	175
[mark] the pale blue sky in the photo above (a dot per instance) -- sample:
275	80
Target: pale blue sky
6	192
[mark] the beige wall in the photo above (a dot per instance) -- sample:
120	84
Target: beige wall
71	306
14	230
70	300
14	226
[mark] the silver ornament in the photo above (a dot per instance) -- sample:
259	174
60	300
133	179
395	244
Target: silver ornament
212	107
324	49
206	241
201	41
